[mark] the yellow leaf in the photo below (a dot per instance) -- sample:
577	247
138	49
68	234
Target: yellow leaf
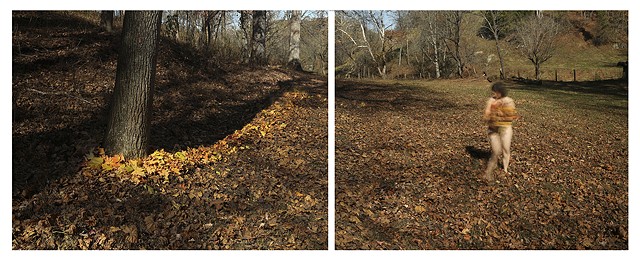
95	162
126	168
150	170
181	156
419	209
106	167
138	171
164	173
114	229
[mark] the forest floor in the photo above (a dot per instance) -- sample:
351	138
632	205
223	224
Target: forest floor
409	156
238	156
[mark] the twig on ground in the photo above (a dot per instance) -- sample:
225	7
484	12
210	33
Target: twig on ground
59	93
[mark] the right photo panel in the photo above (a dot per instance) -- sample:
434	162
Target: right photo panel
492	130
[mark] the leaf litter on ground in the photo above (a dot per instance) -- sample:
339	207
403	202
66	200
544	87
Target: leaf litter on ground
216	176
409	155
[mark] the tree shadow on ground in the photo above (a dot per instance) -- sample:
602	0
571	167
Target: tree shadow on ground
616	88
195	104
199	116
41	157
380	96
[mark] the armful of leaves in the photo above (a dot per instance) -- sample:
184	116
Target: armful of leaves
508	114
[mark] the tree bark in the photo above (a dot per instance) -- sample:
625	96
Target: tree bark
258	38
245	25
128	127
294	41
502	73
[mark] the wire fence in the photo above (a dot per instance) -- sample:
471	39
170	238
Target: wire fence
570	74
547	74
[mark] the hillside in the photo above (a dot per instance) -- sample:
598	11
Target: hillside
237	157
575	50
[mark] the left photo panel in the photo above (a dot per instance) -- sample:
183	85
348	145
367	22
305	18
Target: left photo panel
170	130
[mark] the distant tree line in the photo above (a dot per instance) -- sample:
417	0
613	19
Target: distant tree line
445	44
256	37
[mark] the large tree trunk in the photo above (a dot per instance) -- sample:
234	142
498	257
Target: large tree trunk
129	119
106	20
258	38
294	41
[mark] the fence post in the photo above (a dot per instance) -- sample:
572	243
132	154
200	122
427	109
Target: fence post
574	75
556	75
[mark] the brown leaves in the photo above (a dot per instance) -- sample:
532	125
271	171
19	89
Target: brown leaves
131	233
405	180
239	193
213	178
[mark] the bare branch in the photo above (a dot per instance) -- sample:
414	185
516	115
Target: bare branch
60	93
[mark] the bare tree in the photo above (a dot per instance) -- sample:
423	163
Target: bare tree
425	29
536	37
258	38
245	27
494	23
129	119
207	28
294	41
376	18
346	44
434	37
454	38
376	47
314	47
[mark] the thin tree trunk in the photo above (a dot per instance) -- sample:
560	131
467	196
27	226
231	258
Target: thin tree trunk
128	128
436	61
206	30
502	73
106	20
491	18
